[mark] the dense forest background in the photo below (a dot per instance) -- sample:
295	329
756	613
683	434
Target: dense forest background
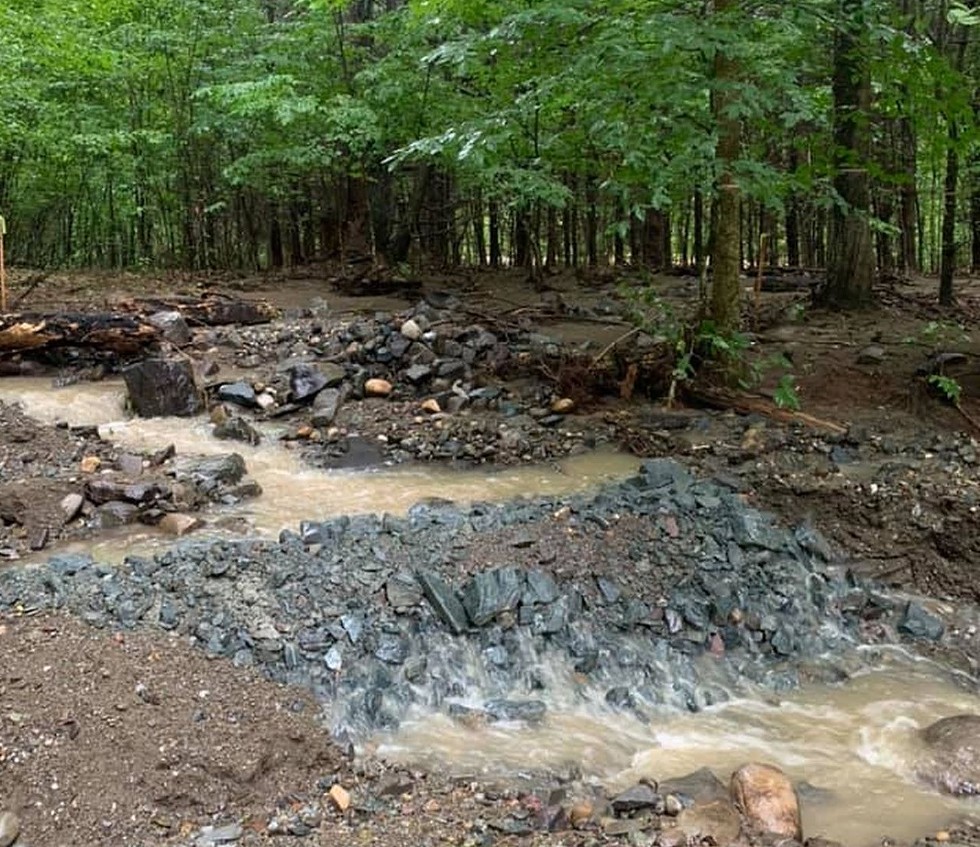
255	134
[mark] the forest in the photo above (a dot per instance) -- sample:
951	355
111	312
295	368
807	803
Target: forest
259	134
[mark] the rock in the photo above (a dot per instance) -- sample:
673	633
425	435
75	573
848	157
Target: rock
71	505
333	373
918	623
444	601
340	797
90	464
376	387
411	330
213	836
160	387
581	813
265	401
9	828
767	799
431	406
492	592
238	429
116	513
700	786
403	590
640	796
563	406
130	464
173	327
325	407
515	710
418	373
178	524
952	759
871	355
716	823
241	393
305	382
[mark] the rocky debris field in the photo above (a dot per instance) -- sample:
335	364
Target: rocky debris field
152	727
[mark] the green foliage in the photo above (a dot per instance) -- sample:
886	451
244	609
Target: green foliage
948	387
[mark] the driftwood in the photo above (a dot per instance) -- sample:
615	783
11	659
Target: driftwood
211	310
110	332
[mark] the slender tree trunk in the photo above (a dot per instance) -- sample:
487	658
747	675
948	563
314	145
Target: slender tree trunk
947	262
724	307
494	218
851	261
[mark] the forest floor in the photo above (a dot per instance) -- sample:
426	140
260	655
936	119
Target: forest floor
881	463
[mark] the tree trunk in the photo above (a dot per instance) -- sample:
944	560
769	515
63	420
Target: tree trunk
851	261
724	308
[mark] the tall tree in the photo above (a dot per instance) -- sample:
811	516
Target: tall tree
851	258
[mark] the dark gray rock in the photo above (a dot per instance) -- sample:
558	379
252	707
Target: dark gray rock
173	327
417	374
540	588
116	513
162	388
325	407
700	786
237	428
918	623
444	601
530	711
241	393
490	593
305	382
641	796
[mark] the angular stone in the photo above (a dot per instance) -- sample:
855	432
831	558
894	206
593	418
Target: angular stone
767	799
873	354
515	710
162	388
952	758
325	407
716	823
541	588
411	330
431	405
444	601
116	513
639	796
305	382
418	373
492	592
918	623
403	590
237	429
241	393
340	797
173	327
700	786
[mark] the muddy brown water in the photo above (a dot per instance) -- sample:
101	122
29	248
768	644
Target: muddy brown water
854	743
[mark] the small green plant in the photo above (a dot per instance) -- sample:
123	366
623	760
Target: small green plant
785	396
949	387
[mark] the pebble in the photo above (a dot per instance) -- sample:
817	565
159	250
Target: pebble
9	828
377	387
340	797
90	464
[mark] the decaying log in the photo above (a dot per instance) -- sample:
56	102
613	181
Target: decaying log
211	310
747	405
113	333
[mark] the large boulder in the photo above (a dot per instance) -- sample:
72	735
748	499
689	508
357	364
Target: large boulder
767	799
951	761
161	387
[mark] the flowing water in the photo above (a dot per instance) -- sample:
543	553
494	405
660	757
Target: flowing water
856	741
853	745
293	491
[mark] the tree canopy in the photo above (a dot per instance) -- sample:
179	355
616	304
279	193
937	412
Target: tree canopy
256	133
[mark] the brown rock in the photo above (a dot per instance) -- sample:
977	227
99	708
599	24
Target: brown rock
716	821
219	414
304	431
431	406
177	523
340	797
563	405
767	799
90	464
377	387
581	813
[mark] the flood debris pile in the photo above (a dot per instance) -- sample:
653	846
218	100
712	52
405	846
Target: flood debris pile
375	615
444	387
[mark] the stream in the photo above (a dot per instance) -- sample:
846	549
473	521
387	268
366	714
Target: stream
851	744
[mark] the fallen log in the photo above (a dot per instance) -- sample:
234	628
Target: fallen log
119	334
211	310
745	404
